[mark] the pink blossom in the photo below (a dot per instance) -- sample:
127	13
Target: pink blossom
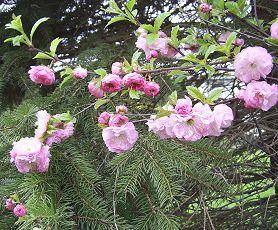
120	139
41	75
160	45
187	128
184	106
161	127
259	94
118	120
43	118
239	42
94	90
117	68
111	83
134	81
151	88
223	115
103	118
205	8
63	131
80	72
121	109
274	30
29	154
20	210
252	63
9	204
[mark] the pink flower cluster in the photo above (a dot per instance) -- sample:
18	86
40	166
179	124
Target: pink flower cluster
32	154
119	134
112	83
259	94
250	65
19	209
79	73
160	45
42	75
192	123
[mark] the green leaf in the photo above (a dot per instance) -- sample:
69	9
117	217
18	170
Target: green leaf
151	38
162	112
54	44
42	56
116	19
101	102
148	27
17	40
191	58
65	81
174	36
210	50
134	94
218	4
15	24
160	19
241	4
66	71
101	72
233	7
113	7
272	41
173	98
65	117
195	93
130	4
215	94
35	26
135	57
230	40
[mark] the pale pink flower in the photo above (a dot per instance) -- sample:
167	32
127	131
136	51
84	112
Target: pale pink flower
121	109
111	83
103	118
117	68
42	75
29	154
118	120
223	115
20	210
259	94
274	30
43	118
134	81
9	204
80	72
187	128
120	139
239	42
161	127
94	90
151	89
205	8
252	63
184	106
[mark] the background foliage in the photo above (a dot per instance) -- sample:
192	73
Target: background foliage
226	183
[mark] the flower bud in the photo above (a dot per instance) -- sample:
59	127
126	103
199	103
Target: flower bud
103	118
9	204
19	210
121	109
205	8
94	90
80	73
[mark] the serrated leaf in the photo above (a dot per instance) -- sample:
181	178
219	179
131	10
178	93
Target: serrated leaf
101	72
160	19
173	98
116	19
195	93
215	94
151	38
134	94
65	81
130	4
148	27
232	7
101	102
113	5
36	25
54	44
174	36
42	56
210	50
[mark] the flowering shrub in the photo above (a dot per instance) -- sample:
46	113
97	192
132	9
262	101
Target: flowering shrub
185	115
